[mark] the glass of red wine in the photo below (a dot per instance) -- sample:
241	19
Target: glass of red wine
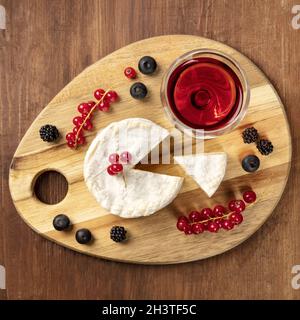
205	93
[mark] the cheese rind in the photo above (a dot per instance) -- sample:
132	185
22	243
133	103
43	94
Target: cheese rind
144	192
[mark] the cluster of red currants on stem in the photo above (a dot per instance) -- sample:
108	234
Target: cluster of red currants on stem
217	218
83	122
116	161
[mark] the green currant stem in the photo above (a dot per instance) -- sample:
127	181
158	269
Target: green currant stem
88	115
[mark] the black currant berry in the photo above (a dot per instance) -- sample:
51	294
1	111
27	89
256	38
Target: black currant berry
83	236
147	65
250	163
61	222
138	90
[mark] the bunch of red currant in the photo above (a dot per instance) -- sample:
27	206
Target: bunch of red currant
83	122
217	218
116	161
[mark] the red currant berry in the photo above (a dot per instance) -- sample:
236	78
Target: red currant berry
103	106
71	144
78	121
111	96
113	158
206	224
98	94
197	228
88	125
70	136
87	116
195	216
110	171
81	140
181	223
91	104
185	227
77	132
206	213
219	211
237	205
183	218
236	218
126	157
212	214
249	196
231	205
130	73
213	227
240	206
188	229
227	224
219	222
84	108
116	167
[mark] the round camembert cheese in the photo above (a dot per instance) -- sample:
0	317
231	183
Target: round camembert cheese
137	193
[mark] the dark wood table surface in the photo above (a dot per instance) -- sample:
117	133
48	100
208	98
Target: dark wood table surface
46	44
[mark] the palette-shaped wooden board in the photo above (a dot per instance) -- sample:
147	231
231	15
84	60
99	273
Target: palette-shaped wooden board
153	239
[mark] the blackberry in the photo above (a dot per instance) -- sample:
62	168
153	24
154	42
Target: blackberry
265	147
250	135
49	133
118	233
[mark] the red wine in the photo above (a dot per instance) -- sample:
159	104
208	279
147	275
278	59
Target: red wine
204	93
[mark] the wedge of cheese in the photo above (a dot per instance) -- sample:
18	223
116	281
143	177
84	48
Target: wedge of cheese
207	169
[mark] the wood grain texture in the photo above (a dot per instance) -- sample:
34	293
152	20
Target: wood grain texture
44	47
158	231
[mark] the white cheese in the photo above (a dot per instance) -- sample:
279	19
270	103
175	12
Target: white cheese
142	193
207	169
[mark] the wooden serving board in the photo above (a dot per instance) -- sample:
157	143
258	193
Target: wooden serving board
154	239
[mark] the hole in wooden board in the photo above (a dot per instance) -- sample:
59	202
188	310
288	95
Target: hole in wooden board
51	187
